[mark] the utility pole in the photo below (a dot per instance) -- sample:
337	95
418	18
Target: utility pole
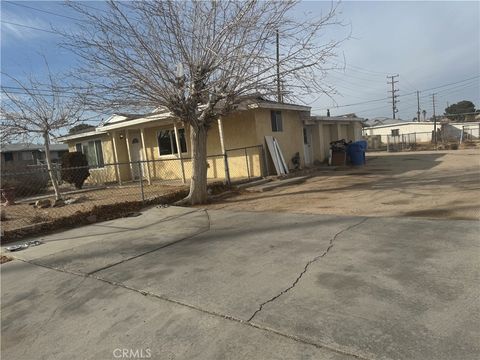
279	91
393	91
418	106
434	122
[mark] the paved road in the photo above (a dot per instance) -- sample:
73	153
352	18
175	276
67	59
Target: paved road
182	283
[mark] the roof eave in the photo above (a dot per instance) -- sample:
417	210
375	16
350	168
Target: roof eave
279	106
96	132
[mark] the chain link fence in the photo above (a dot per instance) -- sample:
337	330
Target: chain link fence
95	193
246	163
447	137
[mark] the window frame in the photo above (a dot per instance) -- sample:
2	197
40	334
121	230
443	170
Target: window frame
276	120
395	132
85	144
173	144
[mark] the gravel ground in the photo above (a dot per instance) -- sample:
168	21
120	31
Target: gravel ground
442	184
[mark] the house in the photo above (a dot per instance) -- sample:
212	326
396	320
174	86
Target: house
21	156
235	145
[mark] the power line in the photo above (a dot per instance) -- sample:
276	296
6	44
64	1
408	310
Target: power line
403	95
28	27
44	11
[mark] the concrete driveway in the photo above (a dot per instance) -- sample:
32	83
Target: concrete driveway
182	283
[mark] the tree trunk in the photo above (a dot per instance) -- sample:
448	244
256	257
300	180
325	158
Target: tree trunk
53	178
198	184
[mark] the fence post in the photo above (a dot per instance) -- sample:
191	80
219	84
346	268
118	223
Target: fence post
140	178
264	160
227	170
246	160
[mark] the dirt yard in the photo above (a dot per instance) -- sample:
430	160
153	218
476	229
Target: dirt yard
24	214
443	184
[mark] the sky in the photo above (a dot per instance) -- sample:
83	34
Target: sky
434	47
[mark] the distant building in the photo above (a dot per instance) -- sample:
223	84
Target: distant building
18	156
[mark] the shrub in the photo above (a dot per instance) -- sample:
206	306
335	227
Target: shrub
75	168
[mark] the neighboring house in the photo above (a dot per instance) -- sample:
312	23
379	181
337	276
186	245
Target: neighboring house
423	130
21	156
163	141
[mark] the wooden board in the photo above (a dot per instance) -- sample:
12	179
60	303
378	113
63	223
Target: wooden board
273	153
273	146
283	163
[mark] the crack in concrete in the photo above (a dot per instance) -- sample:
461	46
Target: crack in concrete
211	312
202	310
310	262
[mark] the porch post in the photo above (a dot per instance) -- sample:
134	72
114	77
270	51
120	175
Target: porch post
127	139
115	157
224	153
179	150
142	135
321	141
130	165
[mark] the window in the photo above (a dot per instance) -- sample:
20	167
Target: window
93	151
8	156
167	144
395	132
276	117
26	155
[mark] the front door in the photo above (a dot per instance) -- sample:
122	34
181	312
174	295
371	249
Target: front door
135	156
307	144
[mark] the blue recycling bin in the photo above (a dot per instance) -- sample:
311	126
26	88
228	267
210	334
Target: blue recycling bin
356	152
363	143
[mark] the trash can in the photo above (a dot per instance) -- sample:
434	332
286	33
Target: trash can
356	152
363	143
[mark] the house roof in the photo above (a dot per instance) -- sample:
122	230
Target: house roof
333	119
384	121
32	147
162	115
81	135
400	123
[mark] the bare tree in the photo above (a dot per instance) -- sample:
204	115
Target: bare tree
35	108
198	59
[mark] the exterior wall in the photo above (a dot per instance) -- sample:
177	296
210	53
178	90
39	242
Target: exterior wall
240	131
17	164
423	130
290	139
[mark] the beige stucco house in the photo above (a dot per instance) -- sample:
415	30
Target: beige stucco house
161	142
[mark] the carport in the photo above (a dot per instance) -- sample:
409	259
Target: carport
320	131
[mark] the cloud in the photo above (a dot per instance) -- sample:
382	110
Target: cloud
11	32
